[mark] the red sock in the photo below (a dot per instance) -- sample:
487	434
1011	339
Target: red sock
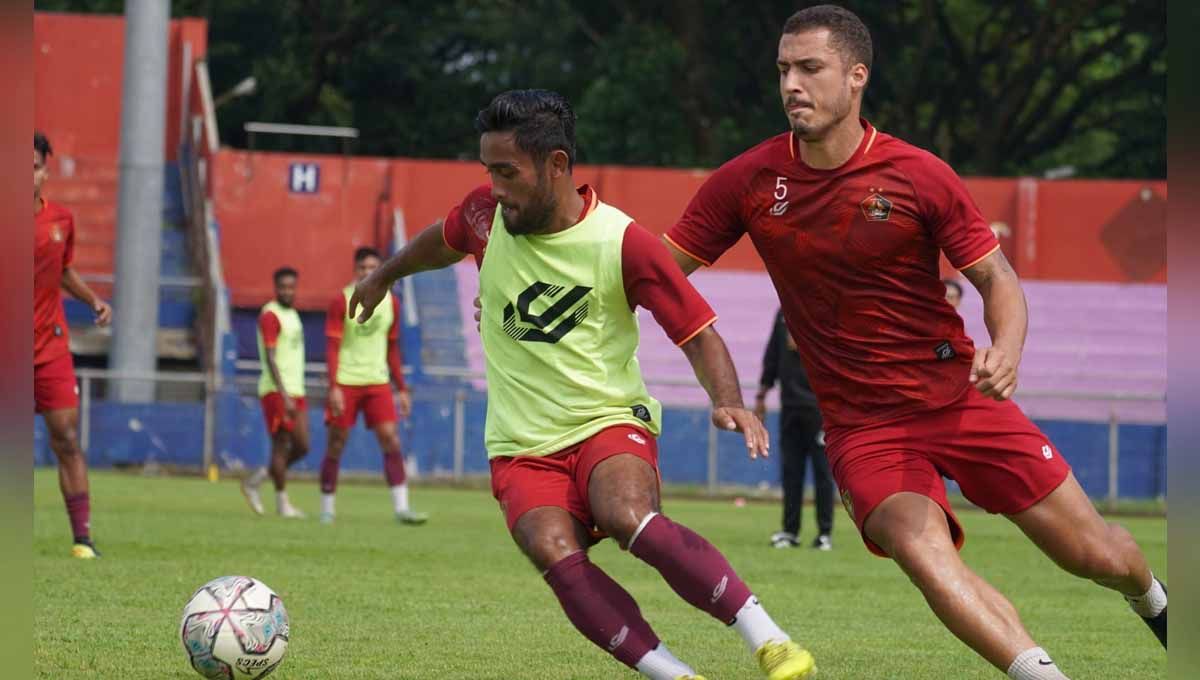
79	510
393	468
694	569
329	474
601	609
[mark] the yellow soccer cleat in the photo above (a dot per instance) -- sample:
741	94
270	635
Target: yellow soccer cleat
785	661
83	551
690	677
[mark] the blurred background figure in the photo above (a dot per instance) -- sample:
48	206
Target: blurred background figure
802	438
953	292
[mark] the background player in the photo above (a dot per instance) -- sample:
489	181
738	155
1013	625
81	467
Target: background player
360	358
55	393
570	428
281	390
802	439
849	222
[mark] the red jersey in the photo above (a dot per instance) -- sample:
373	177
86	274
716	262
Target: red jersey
853	253
53	250
651	277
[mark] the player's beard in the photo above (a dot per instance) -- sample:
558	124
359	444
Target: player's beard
536	215
818	132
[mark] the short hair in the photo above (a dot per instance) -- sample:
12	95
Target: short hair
41	144
284	271
847	33
364	252
951	283
542	121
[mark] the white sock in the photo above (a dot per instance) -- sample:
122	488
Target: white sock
257	477
326	504
400	498
1034	664
756	626
660	664
1152	603
281	500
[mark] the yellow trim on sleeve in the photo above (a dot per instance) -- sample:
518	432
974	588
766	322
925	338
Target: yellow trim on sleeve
687	252
980	259
696	332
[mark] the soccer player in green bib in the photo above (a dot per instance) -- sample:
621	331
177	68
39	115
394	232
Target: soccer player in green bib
570	429
361	359
281	390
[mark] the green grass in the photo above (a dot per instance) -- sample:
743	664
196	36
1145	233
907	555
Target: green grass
454	599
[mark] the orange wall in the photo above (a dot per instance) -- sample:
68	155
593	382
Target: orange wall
78	71
1065	230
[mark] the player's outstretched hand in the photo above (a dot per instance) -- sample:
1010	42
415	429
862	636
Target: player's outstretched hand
337	402
758	442
103	313
369	293
994	373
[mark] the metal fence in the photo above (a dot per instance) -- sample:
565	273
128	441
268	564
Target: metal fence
200	420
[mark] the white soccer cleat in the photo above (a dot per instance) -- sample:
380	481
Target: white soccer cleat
253	499
290	512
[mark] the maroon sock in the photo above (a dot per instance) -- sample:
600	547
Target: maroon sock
694	569
329	474
393	468
601	609
79	510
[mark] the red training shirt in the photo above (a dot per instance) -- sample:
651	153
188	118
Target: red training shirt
853	253
53	251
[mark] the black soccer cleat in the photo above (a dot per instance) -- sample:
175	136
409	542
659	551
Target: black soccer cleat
1158	624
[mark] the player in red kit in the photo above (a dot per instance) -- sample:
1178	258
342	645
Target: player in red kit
849	222
55	394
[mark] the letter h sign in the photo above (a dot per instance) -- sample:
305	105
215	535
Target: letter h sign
304	178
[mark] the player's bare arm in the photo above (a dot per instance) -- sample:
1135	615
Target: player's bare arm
425	252
714	369
994	371
686	262
75	286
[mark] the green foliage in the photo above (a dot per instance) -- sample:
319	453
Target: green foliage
995	88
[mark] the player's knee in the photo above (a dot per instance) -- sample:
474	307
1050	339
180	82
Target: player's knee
921	557
547	549
299	449
620	526
64	442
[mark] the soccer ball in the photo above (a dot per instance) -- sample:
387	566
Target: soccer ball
234	628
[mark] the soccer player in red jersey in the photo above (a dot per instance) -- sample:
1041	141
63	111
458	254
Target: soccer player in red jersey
570	428
281	391
55	393
849	222
362	359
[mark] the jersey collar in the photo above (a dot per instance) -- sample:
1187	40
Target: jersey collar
864	147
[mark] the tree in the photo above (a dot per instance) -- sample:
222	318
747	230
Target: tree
996	88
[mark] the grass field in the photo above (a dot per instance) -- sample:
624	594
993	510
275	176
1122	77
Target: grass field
454	599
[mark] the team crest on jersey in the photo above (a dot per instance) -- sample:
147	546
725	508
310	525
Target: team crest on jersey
876	208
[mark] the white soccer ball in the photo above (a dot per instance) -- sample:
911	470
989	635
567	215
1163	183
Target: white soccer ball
234	628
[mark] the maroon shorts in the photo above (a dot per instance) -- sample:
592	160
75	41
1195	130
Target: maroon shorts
522	483
1001	461
54	386
276	415
375	401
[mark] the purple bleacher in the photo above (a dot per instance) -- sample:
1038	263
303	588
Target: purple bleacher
1088	339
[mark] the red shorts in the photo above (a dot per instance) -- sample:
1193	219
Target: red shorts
375	401
522	483
54	386
1001	461
276	415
